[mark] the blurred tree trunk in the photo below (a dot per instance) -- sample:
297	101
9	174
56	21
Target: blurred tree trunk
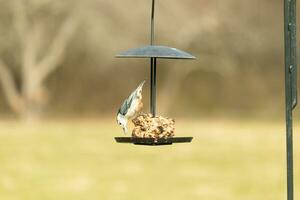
29	100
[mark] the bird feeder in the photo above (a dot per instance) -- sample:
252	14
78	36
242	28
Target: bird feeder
153	53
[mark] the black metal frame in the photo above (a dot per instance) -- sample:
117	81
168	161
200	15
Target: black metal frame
290	86
154	52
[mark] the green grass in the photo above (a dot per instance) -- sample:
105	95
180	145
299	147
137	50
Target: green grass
79	160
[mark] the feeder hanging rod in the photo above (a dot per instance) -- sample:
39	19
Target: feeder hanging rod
152	66
290	86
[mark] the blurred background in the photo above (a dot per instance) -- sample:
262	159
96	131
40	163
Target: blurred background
61	87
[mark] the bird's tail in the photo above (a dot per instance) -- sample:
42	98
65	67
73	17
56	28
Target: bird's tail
141	85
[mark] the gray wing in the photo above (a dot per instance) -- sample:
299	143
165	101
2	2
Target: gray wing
127	103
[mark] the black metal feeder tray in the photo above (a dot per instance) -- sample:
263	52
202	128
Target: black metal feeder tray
152	141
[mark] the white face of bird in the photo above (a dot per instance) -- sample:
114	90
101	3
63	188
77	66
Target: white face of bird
122	121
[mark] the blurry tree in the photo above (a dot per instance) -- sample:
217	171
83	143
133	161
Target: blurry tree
42	42
238	44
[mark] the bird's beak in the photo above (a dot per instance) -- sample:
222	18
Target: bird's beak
125	130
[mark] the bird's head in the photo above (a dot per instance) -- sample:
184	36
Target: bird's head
122	121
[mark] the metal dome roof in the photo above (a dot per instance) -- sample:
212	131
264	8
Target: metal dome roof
152	51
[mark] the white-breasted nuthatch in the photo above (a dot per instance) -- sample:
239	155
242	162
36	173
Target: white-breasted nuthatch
130	107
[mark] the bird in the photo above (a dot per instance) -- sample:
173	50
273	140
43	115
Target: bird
130	107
